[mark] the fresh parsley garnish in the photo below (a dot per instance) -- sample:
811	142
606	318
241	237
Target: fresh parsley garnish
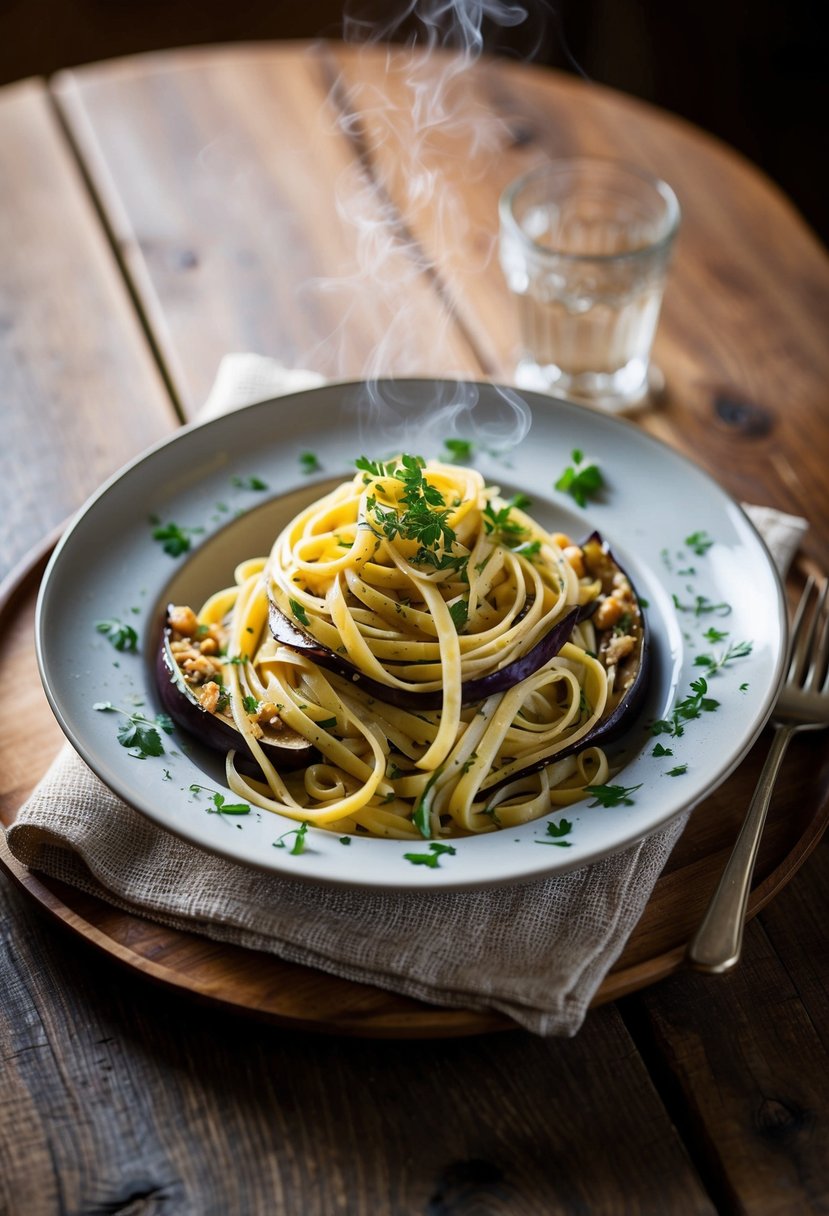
309	462
459	612
678	770
612	795
250	703
299	612
581	480
500	525
123	637
137	732
699	543
690	707
249	483
458	451
345	840
556	830
221	807
174	538
660	750
298	834
423	515
432	858
701	606
713	663
715	635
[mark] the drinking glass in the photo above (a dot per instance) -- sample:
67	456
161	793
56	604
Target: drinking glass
585	245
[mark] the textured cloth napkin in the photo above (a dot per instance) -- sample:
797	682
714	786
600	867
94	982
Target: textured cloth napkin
536	952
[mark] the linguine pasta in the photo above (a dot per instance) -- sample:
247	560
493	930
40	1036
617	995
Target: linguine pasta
434	645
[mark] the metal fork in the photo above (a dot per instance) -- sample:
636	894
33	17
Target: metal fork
803	704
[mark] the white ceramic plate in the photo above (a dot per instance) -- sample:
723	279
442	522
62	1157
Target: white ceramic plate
108	565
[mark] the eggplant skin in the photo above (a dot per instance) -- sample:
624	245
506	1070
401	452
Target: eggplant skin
216	732
287	634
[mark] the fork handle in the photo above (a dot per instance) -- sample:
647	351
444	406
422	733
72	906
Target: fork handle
716	945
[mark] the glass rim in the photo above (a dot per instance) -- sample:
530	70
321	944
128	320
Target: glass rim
672	215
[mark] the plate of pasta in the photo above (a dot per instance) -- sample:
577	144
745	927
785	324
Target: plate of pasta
400	635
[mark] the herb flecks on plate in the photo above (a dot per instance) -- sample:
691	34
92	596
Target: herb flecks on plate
137	732
713	663
582	479
175	539
556	831
122	637
611	795
432	858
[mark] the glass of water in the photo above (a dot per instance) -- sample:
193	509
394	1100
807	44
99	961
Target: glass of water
585	245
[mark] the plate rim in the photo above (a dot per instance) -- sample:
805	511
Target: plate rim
439	881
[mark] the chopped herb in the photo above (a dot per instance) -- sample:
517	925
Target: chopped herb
168	776
612	795
299	835
715	635
123	637
309	462
249	483
743	687
345	840
701	605
251	704
327	723
678	771
699	543
713	663
299	612
691	707
468	762
581	481
459	612
458	450
500	526
432	858
221	807
556	830
138	733
421	813
659	750
174	539
529	549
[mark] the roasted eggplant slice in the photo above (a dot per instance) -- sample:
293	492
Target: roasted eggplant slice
623	648
196	701
287	634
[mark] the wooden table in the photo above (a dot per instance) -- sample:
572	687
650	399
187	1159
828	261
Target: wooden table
158	212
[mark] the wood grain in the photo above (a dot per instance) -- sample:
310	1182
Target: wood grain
81	392
225	133
298	997
119	1097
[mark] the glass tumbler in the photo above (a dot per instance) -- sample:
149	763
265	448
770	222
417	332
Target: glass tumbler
584	246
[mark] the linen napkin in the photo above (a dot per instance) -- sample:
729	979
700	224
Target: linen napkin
536	952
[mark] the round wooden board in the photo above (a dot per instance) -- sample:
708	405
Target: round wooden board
294	996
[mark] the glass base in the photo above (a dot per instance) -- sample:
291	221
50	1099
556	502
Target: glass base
631	389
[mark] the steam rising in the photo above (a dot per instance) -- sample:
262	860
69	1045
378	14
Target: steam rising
426	113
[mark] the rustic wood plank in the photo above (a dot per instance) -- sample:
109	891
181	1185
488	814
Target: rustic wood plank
224	240
122	1094
222	200
744	1058
81	391
742	336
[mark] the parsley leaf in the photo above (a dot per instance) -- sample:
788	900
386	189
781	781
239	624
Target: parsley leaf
432	858
678	771
690	707
458	450
556	830
249	483
699	543
459	612
221	807
309	462
174	539
612	795
250	703
138	732
581	481
712	663
299	612
123	637
659	750
298	834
